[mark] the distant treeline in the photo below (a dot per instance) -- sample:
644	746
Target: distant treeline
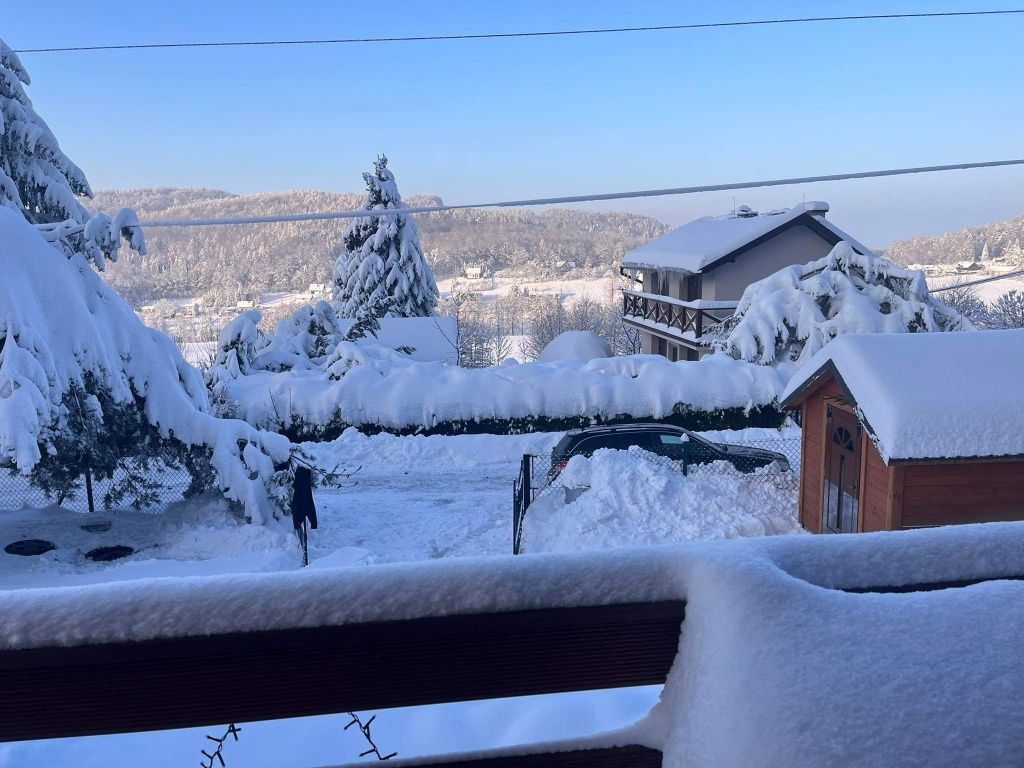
1001	240
228	263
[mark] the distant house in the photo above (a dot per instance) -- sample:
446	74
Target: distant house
245	304
319	289
473	273
898	432
693	276
969	266
565	266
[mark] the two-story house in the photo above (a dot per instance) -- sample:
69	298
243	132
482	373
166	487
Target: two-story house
693	277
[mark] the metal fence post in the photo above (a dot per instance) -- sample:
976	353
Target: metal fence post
88	491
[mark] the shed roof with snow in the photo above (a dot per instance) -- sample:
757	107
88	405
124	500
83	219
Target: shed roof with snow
707	242
925	396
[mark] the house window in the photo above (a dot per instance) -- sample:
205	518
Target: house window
662	347
673	353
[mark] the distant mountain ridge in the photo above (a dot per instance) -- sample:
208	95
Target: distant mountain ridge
232	262
1000	240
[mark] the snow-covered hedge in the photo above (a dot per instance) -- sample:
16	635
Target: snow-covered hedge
79	370
383	390
788	316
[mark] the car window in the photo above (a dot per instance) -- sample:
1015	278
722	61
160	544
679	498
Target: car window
673	439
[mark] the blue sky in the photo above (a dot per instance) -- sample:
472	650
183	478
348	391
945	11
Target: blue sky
523	118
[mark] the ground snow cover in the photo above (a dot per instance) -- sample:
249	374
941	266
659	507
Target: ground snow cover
777	665
620	498
411	498
414	395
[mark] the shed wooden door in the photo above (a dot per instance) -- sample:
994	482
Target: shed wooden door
841	503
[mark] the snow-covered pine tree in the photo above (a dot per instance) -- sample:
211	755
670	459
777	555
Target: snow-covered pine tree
383	259
788	316
42	184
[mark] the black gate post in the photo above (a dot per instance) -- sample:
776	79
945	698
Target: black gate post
522	503
88	491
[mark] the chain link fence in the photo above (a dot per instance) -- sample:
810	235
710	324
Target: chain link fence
539	477
164	485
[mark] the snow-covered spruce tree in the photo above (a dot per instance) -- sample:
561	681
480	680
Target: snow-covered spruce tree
39	181
383	259
788	316
84	385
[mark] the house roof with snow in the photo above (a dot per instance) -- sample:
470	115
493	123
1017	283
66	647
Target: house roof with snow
924	396
703	244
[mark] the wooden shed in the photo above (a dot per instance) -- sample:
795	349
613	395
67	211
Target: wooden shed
911	430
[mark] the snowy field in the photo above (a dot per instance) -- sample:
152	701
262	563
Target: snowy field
987	292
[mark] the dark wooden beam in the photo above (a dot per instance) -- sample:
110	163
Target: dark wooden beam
200	681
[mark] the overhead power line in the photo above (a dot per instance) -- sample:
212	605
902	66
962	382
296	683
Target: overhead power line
543	33
575	198
983	280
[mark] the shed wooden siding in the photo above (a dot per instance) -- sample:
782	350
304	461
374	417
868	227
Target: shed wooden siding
875	490
812	459
941	493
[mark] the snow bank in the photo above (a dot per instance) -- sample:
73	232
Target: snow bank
575	345
932	396
61	325
621	498
773	670
401	394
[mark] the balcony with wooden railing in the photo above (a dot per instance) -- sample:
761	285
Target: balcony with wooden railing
686	320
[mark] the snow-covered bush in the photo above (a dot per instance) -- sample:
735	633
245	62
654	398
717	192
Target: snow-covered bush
1007	311
85	385
790	315
39	182
383	259
965	300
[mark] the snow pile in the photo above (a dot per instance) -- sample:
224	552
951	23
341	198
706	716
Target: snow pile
63	331
932	396
627	498
774	670
790	315
388	390
575	345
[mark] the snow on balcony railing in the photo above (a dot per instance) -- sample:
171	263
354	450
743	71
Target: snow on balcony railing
686	319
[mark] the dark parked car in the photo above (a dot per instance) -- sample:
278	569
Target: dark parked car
675	443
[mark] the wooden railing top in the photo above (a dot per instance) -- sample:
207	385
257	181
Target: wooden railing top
703	304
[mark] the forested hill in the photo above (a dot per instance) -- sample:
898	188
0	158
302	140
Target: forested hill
1003	239
231	262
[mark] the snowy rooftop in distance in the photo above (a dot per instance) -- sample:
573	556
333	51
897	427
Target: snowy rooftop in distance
694	246
932	395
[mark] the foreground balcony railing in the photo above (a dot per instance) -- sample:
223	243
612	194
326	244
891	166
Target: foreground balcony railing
688	319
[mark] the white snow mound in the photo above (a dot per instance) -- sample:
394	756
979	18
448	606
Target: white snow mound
629	498
575	345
